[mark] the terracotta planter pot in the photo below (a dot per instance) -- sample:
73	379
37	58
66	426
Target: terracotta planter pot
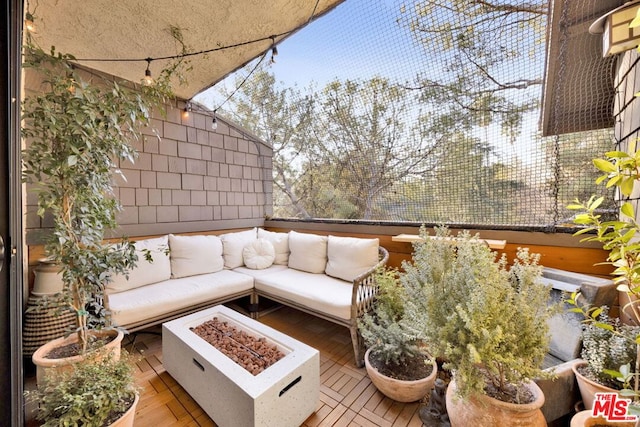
45	365
484	411
584	419
398	390
588	388
126	420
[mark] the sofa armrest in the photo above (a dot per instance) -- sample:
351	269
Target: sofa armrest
365	288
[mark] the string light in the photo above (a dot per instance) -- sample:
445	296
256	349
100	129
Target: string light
274	49
147	80
186	111
214	122
29	24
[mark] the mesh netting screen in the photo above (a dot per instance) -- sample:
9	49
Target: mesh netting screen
426	112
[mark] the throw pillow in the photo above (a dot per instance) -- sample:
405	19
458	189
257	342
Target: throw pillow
259	254
145	272
233	244
349	257
308	252
280	242
191	255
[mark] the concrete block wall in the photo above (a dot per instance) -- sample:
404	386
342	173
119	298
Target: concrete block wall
188	178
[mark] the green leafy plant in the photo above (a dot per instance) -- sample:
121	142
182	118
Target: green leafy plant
91	394
612	350
75	130
488	321
382	330
620	170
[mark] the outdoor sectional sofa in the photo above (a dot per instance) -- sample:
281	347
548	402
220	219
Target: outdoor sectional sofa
327	276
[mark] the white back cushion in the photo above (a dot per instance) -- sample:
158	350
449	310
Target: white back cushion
191	255
258	254
233	244
308	252
280	242
145	272
349	257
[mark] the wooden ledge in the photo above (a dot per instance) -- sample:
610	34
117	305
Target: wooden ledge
493	244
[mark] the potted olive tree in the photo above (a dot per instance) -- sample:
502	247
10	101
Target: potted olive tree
398	364
487	321
75	130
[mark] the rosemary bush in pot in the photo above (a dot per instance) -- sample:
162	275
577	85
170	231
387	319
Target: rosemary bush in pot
487	321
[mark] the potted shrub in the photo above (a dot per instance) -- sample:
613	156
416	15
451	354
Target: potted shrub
609	350
611	347
97	392
75	130
398	364
487	321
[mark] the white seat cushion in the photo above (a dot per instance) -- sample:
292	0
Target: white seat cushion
258	254
154	300
280	242
259	273
145	272
349	257
308	252
233	244
316	291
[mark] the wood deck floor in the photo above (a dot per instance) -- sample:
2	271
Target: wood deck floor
347	397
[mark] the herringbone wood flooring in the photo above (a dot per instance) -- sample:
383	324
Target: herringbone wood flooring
347	397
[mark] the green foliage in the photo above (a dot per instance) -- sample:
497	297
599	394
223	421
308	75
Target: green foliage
382	330
619	170
76	129
88	394
487	321
610	348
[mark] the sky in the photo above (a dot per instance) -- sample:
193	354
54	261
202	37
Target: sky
360	39
353	41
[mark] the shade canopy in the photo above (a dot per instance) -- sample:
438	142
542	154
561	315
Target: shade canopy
129	31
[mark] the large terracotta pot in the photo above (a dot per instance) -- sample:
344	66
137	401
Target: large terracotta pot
126	420
398	390
484	411
584	419
45	365
588	388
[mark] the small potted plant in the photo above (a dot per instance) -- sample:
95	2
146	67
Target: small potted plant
487	321
95	393
398	364
609	351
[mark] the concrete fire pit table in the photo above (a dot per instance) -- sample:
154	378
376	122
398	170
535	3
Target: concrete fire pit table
284	394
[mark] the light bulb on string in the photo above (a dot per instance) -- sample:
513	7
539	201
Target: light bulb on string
72	83
186	111
29	24
147	80
274	49
214	121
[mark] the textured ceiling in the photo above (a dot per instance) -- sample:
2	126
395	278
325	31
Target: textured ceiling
139	29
